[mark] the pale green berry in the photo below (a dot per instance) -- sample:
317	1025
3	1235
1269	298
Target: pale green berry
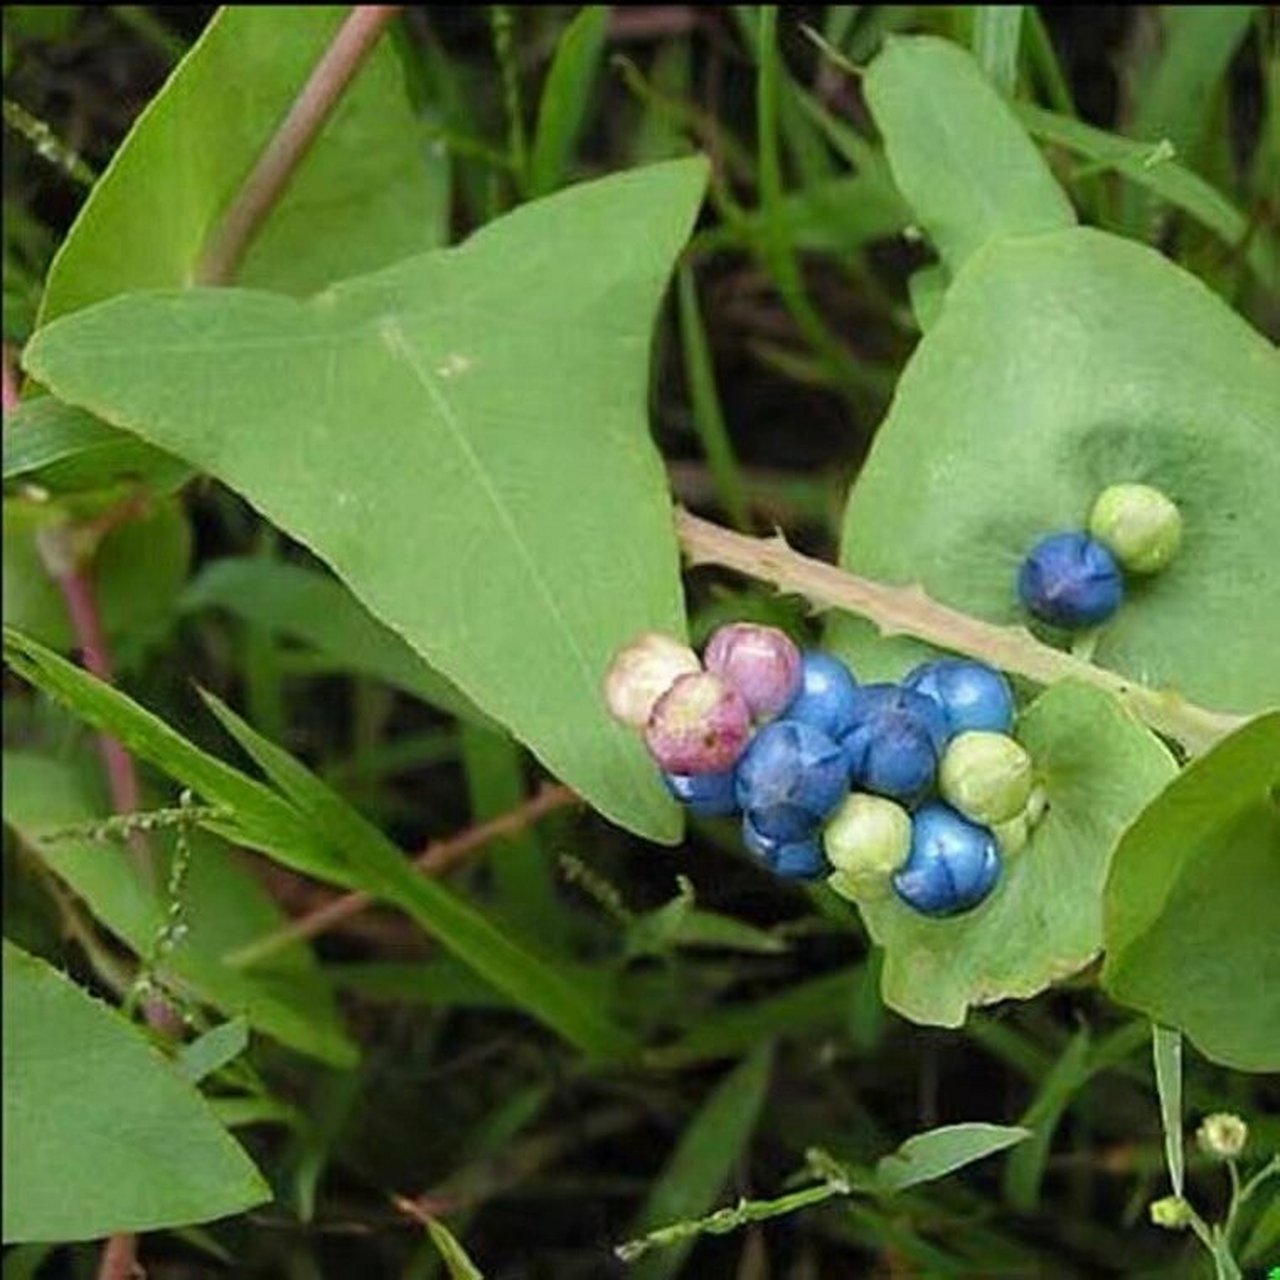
986	776
1139	525
1012	836
867	840
1222	1135
1172	1212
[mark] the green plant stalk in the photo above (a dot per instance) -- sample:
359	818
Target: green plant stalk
908	611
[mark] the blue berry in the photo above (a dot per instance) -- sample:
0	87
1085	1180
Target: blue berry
1071	580
826	696
707	795
897	739
953	865
972	694
790	777
800	859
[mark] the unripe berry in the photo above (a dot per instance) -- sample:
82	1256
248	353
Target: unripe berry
762	663
1070	580
700	725
791	776
866	841
953	865
642	672
986	776
1138	524
800	859
706	795
827	694
895	742
972	694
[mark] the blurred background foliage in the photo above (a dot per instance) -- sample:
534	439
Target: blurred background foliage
773	364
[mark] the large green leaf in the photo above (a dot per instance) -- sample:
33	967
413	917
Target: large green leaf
101	1134
1060	364
369	191
957	153
1193	903
462	437
1098	767
304	605
223	908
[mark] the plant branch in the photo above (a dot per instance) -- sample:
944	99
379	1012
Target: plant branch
293	139
909	611
437	858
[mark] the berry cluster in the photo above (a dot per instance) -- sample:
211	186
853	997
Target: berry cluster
914	788
1076	579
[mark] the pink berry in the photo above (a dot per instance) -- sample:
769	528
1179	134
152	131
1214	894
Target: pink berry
700	725
760	662
642	672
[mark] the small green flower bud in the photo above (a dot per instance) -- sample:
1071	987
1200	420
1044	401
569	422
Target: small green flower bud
1012	836
1173	1213
1222	1135
867	840
1138	525
986	776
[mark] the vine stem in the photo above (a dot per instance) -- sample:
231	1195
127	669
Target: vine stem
908	611
293	139
437	858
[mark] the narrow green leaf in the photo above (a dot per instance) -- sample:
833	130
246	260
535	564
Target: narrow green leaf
957	153
223	907
454	1256
516	392
535	984
1191	903
1166	1055
309	606
213	1050
566	97
702	1161
101	1133
997	33
938	1152
367	193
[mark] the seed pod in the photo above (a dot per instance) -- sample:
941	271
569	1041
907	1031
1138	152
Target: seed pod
953	865
642	672
1139	525
1071	580
986	777
971	694
700	725
762	663
827	694
790	777
800	859
867	839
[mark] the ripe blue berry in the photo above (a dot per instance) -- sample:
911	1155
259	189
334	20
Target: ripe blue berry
790	777
707	795
826	697
762	663
953	865
800	859
972	694
897	739
1070	580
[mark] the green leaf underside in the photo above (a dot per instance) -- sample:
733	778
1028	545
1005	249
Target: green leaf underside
1043	922
957	153
367	193
91	1111
305	605
223	908
461	437
939	1152
1060	364
1193	903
